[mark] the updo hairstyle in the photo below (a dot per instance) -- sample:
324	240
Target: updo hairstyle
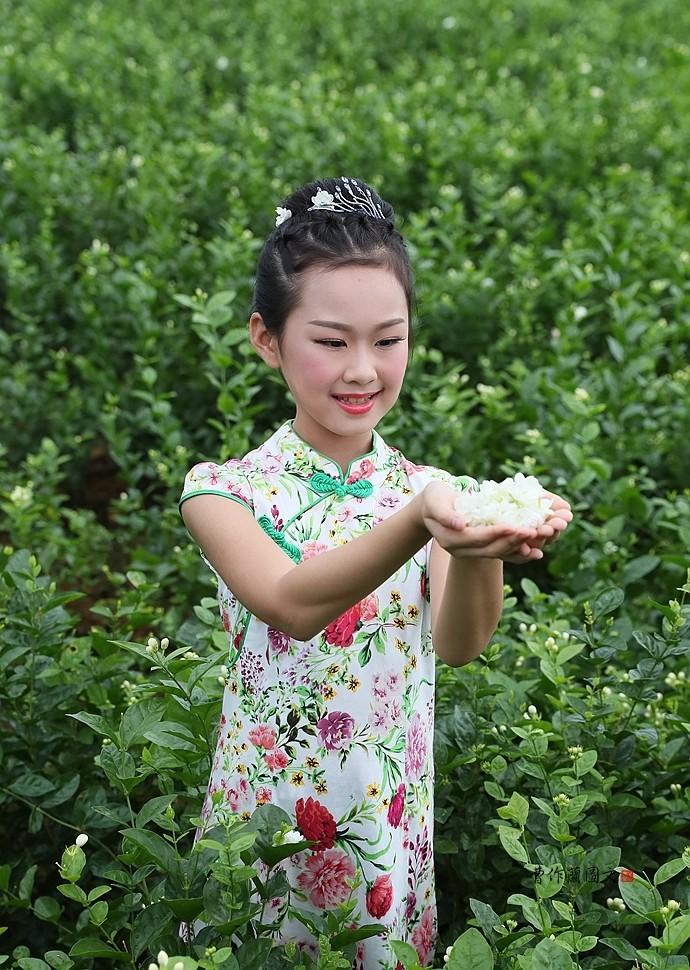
326	239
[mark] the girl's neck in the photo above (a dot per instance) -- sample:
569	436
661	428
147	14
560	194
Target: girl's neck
341	449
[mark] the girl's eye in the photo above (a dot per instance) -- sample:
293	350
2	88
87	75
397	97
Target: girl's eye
388	342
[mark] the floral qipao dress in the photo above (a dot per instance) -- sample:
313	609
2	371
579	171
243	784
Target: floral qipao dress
336	730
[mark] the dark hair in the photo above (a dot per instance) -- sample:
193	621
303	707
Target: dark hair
326	239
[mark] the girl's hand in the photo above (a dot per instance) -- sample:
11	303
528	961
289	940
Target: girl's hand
516	545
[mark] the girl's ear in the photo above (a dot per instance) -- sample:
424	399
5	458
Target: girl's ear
263	342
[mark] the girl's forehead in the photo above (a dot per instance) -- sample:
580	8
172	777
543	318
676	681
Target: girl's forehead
362	290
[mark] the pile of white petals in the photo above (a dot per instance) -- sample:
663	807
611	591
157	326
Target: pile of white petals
515	501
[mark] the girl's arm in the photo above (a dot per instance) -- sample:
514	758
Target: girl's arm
466	604
322	588
300	599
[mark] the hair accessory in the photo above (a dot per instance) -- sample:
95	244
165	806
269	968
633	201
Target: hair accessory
349	197
282	215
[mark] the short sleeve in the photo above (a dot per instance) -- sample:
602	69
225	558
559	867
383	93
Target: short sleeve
421	475
207	478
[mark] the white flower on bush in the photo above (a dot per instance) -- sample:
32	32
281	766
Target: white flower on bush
518	501
81	839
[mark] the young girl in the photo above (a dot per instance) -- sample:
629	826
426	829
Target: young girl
343	570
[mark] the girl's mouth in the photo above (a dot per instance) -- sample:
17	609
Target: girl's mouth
356	404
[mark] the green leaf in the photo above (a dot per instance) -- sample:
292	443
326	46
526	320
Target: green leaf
96	949
98	912
639	896
73	892
534	912
97	724
31	963
405	953
677	932
548	955
622	947
516	809
607	601
160	852
138	719
345	937
510	842
471	952
149	927
47	908
668	871
548	880
58	960
252	954
586	761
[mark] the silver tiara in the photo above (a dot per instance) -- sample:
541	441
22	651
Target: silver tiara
348	196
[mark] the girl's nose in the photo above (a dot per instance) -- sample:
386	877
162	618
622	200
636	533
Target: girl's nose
360	369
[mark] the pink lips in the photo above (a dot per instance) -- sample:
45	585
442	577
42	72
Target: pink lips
367	403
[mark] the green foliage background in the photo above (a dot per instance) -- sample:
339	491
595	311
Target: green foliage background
536	153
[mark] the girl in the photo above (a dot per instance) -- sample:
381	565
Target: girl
343	570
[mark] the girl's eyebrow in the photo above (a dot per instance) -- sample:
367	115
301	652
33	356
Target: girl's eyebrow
344	326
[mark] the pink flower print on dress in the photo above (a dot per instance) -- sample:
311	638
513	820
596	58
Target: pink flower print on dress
389	500
423	935
326	878
345	515
238	797
395	809
341	631
313	548
410	468
380	897
410	904
263	736
415	749
276	759
263	796
369	607
335	729
280	642
272	464
365	470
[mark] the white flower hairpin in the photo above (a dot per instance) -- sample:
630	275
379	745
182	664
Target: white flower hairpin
282	215
347	196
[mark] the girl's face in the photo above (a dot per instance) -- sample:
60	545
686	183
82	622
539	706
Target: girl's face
347	338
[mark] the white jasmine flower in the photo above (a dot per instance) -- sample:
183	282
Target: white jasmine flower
448	23
222	63
153	966
81	839
282	215
162	958
581	393
579	312
596	92
191	655
516	501
446	955
179	965
673	905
